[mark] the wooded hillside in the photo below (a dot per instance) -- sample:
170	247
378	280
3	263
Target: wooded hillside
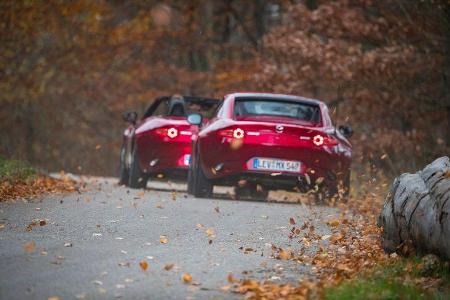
70	68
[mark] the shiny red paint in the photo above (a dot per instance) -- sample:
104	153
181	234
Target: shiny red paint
154	143
160	141
215	145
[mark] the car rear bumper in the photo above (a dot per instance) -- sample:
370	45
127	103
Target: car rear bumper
159	156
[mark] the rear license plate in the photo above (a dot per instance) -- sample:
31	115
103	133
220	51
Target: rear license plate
187	159
276	165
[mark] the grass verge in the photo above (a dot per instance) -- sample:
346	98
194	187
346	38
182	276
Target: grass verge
13	170
405	278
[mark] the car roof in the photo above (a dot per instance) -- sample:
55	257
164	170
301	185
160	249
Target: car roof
277	96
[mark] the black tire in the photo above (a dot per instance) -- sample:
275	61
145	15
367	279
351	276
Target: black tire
260	193
190	180
124	172
347	186
202	186
251	191
243	192
137	179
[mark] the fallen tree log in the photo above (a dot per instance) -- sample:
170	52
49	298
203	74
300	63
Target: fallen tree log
417	211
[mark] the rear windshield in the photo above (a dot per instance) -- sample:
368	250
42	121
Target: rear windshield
277	108
181	108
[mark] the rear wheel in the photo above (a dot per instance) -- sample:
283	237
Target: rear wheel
124	172
137	179
190	180
201	185
251	191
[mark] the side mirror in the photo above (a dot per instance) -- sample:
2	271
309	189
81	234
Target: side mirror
130	117
195	119
346	130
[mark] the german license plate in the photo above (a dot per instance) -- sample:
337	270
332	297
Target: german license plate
276	165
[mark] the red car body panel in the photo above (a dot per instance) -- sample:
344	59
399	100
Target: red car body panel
261	139
153	143
162	143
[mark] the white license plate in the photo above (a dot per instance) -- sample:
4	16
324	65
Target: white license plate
187	159
276	165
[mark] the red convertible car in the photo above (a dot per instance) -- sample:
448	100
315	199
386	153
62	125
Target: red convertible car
160	142
258	142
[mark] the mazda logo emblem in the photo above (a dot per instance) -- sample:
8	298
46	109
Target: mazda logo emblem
279	128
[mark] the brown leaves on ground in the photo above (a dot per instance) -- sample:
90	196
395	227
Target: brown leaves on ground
15	189
36	222
352	246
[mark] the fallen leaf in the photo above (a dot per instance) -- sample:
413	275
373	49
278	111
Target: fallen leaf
217	209
2	226
168	267
144	265
333	223
230	278
163	239
210	232
291	221
325	237
187	278
97	147
29	247
53	298
174	196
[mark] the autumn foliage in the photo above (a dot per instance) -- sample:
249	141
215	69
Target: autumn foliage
69	69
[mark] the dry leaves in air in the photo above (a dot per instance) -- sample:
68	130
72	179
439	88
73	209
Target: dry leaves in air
187	278
144	265
163	239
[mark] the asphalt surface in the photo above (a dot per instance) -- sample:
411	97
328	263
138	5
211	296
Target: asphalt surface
92	243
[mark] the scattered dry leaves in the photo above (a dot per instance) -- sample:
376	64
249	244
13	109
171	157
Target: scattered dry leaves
16	189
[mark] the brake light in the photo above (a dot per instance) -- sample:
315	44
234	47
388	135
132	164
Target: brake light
237	133
170	132
320	140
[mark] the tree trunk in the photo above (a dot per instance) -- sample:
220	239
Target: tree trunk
417	211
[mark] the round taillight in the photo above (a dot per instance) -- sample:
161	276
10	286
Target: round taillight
318	140
238	133
172	132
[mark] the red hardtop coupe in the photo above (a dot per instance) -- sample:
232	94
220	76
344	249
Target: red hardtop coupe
257	142
160	142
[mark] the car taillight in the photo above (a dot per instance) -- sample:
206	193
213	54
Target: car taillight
320	140
237	133
170	132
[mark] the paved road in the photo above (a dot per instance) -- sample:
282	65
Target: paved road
111	229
